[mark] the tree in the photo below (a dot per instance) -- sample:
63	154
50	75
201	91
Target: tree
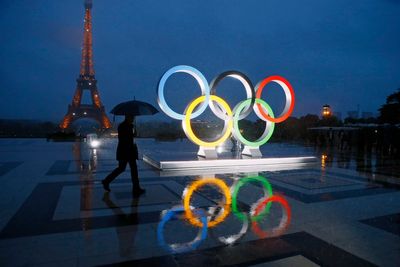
331	121
390	112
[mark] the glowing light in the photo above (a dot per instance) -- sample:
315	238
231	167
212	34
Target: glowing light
95	143
323	160
326	111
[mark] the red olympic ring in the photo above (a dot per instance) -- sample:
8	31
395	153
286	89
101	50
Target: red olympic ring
289	93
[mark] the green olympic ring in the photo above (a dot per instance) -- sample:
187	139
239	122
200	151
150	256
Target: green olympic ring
269	128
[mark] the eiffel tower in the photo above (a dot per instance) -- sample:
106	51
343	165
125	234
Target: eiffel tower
86	81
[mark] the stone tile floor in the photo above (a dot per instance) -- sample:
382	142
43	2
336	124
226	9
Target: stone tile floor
54	212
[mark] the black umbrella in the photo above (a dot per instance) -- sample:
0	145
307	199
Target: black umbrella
134	108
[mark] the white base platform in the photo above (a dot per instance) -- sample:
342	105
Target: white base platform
229	165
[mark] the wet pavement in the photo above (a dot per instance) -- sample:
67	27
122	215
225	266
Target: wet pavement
343	211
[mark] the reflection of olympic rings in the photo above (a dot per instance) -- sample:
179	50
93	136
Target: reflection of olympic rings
187	194
258	210
231	239
235	190
222	109
184	247
284	223
217	214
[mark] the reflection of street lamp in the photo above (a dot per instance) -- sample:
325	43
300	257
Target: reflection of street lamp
326	111
93	141
324	157
95	144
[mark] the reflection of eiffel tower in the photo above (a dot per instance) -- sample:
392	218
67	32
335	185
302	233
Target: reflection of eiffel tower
86	81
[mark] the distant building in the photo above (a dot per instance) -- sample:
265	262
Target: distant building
326	111
338	115
354	114
367	115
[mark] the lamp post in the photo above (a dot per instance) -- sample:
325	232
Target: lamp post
326	111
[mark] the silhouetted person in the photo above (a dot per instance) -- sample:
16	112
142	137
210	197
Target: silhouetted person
127	152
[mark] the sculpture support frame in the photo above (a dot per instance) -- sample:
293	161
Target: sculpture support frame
207	152
253	152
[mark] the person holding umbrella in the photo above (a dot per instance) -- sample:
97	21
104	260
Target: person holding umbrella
127	151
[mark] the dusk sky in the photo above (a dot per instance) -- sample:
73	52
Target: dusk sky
340	52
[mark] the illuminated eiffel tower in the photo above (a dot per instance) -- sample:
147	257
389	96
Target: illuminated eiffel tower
86	81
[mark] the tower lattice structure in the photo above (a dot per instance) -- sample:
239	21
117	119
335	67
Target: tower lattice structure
86	81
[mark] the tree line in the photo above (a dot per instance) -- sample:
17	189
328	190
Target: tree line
293	128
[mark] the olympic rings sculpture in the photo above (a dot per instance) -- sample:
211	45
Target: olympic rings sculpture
204	219
221	108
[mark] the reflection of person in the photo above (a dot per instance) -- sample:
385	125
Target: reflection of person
126	237
126	153
331	136
343	140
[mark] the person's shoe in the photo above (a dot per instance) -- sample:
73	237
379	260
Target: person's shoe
138	191
106	186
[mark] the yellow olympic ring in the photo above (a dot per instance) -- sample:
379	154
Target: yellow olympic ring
199	183
188	127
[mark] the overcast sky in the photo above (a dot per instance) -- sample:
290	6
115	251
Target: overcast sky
343	53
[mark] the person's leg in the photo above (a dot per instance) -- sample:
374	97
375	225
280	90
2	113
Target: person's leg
135	177
134	172
117	171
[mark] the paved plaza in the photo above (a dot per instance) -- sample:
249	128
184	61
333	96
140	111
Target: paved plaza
342	211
